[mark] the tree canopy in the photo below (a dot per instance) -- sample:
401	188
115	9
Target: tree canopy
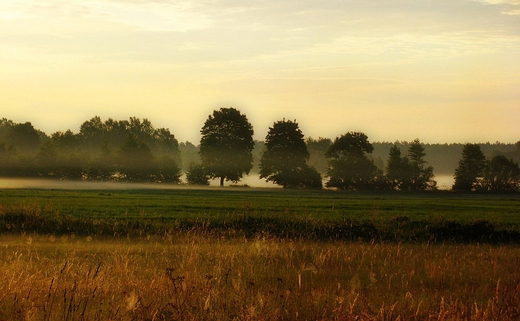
349	166
130	150
226	145
501	174
471	168
284	161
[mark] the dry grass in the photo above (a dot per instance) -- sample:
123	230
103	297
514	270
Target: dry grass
194	277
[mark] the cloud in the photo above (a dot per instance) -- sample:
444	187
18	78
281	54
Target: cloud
510	7
74	15
151	16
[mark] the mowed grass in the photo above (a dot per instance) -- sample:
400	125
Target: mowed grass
318	215
214	203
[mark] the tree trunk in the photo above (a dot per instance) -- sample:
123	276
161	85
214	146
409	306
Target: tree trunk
221	181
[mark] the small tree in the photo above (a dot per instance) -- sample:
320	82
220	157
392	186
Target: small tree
349	166
196	174
397	169
471	168
226	145
421	175
284	161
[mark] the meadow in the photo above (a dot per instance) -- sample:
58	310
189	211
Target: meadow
243	254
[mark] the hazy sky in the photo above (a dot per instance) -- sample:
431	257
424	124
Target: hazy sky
439	70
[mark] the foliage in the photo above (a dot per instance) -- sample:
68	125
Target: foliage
422	175
349	166
501	174
397	168
196	175
226	145
410	173
471	168
284	161
130	150
24	137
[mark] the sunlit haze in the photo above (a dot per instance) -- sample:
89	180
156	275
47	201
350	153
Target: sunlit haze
437	70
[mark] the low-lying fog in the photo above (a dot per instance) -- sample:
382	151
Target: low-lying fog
443	182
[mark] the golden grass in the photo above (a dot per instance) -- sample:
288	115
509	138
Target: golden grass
194	277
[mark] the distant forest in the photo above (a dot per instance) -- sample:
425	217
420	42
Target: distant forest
121	149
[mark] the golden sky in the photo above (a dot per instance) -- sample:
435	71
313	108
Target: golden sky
439	70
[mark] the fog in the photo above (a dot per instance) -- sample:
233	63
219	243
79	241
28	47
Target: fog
444	182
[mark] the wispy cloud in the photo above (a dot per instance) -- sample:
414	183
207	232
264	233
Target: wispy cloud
510	7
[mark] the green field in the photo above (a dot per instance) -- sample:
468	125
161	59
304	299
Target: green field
318	214
211	203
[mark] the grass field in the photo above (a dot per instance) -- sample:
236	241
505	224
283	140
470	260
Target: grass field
211	203
317	214
243	254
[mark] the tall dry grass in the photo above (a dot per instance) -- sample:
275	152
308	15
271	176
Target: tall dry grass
197	277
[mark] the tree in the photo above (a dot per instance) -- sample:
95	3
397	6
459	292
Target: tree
471	168
226	145
135	159
284	161
349	166
195	175
421	175
7	159
24	138
501	174
397	169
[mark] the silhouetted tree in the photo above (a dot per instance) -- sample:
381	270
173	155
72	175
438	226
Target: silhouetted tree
501	174
24	138
284	161
165	170
226	145
471	168
349	166
421	175
93	132
398	169
166	145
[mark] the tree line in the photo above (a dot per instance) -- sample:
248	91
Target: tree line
134	151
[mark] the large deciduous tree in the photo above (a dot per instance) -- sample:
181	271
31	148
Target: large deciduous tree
226	145
284	161
349	166
471	168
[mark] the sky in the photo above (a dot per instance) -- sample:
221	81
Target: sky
443	71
